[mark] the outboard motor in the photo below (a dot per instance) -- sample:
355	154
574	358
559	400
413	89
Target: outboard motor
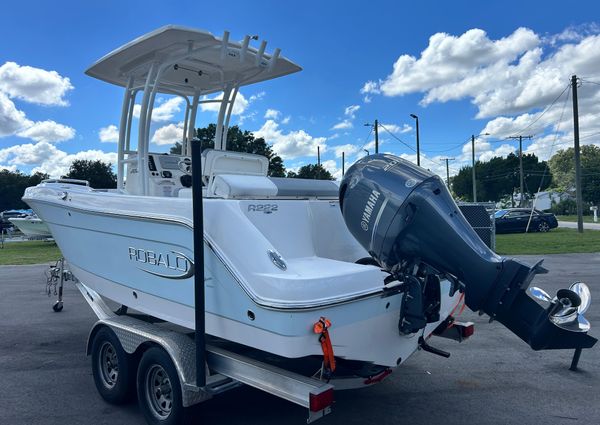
406	219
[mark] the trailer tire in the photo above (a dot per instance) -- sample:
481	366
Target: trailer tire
159	389
111	367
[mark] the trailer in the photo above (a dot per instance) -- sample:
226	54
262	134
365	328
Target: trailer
136	354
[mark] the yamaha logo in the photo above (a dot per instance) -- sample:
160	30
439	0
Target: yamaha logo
368	211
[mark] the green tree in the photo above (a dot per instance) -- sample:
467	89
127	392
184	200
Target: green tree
12	186
562	165
311	171
239	141
98	173
499	177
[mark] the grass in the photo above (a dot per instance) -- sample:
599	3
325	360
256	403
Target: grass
556	241
586	218
29	252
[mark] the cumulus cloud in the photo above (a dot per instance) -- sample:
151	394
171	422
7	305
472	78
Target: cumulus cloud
272	114
168	134
109	134
11	119
511	81
348	149
47	131
350	111
165	110
290	145
343	125
509	75
350	114
47	158
396	129
34	85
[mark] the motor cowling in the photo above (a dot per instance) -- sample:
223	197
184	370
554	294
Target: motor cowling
400	213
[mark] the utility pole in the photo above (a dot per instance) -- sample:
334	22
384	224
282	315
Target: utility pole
416	118
343	163
521	164
319	162
577	156
376	136
447	171
473	157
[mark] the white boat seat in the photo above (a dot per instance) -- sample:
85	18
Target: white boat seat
231	186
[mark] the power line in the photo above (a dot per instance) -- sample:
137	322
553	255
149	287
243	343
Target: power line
545	110
406	144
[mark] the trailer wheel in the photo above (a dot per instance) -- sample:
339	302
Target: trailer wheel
111	367
159	388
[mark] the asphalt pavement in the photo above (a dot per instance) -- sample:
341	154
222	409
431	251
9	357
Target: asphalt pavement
573	225
493	378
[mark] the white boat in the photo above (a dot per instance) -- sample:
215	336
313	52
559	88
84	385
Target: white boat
31	226
278	254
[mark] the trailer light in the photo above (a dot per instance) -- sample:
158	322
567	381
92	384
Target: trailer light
468	330
321	401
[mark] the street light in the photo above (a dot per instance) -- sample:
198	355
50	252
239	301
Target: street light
418	148
473	157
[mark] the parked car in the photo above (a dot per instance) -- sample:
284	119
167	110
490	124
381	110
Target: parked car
514	220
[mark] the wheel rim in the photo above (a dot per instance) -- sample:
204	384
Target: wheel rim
108	365
544	227
159	392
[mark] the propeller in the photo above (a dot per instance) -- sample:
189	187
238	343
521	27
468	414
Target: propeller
567	307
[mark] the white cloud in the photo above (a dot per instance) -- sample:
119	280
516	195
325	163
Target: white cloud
332	166
505	76
47	158
290	145
239	107
47	131
272	114
393	128
168	135
510	81
165	111
109	134
286	120
11	119
34	85
343	125
350	114
348	149
350	111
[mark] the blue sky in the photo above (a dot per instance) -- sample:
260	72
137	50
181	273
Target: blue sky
463	67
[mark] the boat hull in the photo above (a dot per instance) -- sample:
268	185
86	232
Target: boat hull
144	263
32	227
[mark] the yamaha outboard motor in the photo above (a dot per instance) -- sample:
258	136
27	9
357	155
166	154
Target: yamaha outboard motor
406	219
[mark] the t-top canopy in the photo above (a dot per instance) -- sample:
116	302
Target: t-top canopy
191	61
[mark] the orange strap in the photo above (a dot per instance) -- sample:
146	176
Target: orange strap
321	328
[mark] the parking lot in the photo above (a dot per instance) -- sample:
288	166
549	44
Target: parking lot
493	378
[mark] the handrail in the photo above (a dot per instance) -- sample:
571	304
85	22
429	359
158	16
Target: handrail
61	180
